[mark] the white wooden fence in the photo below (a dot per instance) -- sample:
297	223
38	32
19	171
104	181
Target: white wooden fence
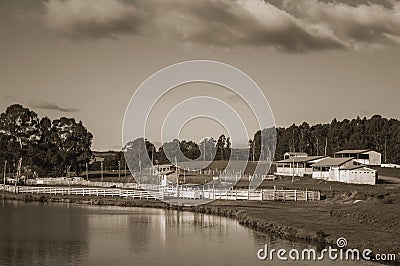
172	192
85	191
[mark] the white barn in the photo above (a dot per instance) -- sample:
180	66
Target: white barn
365	157
346	170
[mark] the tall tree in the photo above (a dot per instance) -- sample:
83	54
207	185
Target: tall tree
19	126
73	141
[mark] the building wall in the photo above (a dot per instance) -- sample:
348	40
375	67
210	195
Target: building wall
331	175
362	161
301	171
374	158
323	175
358	176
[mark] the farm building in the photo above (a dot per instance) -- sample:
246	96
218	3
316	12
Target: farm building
297	166
163	169
166	172
365	157
345	169
289	155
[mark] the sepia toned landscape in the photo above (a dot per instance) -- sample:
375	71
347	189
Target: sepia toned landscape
211	132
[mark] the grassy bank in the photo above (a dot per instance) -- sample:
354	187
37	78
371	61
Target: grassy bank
371	223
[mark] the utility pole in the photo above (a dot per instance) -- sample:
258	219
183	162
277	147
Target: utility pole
87	172
292	169
18	173
253	149
101	169
5	167
177	177
140	164
385	150
119	171
204	150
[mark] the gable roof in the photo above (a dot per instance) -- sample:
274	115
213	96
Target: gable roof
333	161
301	159
352	151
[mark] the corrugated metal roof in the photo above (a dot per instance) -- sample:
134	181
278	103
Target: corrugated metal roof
300	159
351	151
333	161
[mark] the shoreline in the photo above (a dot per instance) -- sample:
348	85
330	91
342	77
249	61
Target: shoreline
248	214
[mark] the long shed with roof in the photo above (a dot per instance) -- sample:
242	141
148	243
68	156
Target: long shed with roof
344	169
366	156
297	166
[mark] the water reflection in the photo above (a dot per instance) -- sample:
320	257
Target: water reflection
61	234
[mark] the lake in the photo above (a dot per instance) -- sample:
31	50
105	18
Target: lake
69	234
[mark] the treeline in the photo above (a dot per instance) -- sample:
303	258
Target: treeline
32	146
377	133
143	153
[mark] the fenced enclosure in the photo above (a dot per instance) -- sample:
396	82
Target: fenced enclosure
163	193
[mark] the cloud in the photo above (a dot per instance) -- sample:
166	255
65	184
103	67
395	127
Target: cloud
233	23
286	26
359	26
92	18
52	106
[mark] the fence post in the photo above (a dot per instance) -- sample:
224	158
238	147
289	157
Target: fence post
295	195
306	195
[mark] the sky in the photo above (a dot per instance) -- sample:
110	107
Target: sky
314	60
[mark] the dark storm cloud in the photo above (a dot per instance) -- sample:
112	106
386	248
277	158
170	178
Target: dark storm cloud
283	25
53	106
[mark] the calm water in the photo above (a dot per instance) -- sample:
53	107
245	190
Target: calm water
65	234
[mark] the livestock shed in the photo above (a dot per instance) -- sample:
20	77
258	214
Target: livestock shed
297	166
346	170
365	157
